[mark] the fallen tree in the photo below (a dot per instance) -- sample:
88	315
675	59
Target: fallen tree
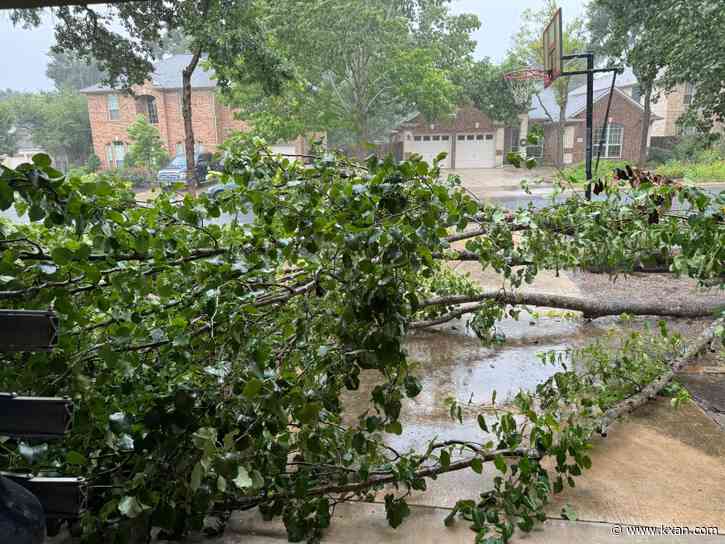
208	359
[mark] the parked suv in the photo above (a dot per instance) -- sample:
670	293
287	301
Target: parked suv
175	171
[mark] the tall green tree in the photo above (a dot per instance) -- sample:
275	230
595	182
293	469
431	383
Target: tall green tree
123	38
146	150
620	31
68	71
692	45
482	83
527	50
361	67
57	121
8	143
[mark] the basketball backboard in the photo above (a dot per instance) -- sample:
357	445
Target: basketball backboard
552	42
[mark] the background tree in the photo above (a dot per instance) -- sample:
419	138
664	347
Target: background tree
361	67
482	83
146	150
692	44
57	122
123	38
68	71
8	142
527	50
623	32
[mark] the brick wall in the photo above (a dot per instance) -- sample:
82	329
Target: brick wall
623	112
212	121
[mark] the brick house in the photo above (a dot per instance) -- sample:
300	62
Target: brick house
112	111
624	127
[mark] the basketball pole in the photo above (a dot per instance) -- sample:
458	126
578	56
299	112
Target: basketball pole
589	72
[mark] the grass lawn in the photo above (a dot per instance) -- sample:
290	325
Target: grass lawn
694	172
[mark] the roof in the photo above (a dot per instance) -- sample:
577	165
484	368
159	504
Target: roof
545	101
603	82
167	75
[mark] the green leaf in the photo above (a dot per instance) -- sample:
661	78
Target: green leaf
445	459
243	481
568	512
310	412
477	465
500	463
61	255
394	427
42	160
396	510
196	475
75	458
482	423
252	388
131	507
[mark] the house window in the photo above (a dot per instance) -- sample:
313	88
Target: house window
515	137
461	137
637	93
489	136
179	149
470	137
612	148
426	138
436	138
444	138
689	94
114	113
115	154
146	105
418	138
536	151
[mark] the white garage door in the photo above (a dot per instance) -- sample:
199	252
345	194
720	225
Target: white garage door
475	151
284	149
429	146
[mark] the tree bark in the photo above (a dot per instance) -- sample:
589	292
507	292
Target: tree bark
590	308
188	126
646	119
653	388
560	129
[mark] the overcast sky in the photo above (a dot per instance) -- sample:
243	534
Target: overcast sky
23	52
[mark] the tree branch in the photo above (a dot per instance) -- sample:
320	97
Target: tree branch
590	308
651	390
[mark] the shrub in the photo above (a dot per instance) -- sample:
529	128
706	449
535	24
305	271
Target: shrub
660	155
138	177
93	163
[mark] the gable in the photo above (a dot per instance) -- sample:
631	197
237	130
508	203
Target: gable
465	119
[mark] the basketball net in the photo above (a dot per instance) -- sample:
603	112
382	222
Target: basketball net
523	84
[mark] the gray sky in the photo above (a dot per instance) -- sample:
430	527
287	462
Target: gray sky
23	52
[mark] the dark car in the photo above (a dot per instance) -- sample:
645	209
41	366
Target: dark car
175	171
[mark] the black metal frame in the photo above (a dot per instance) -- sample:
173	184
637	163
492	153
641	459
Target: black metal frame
64	498
34	417
589	72
28	330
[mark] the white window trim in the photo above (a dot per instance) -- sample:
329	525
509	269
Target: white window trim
608	144
117	109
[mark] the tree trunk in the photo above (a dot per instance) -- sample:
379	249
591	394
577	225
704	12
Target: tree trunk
188	127
646	118
591	308
560	129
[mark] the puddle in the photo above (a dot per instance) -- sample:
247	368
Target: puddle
452	364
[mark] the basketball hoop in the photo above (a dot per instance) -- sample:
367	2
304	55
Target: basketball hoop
524	82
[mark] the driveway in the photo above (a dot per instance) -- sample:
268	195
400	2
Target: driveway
497	179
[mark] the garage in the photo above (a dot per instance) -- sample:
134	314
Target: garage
476	150
429	146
